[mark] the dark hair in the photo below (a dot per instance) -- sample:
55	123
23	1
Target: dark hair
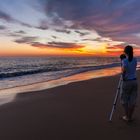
129	51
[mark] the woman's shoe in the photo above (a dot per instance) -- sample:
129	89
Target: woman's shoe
125	118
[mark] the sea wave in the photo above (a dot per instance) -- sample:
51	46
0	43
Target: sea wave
74	70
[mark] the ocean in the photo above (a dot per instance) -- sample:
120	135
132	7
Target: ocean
18	71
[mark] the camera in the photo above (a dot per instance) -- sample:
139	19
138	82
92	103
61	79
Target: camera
122	56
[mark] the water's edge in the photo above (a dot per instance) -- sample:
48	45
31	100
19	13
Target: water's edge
9	94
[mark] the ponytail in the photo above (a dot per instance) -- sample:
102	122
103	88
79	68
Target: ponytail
129	51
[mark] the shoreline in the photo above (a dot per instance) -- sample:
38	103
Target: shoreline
8	95
69	79
23	77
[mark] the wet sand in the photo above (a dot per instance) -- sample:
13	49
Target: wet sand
77	111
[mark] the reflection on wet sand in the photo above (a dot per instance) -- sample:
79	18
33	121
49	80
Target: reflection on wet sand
7	95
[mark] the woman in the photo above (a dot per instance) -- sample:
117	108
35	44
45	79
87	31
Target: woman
129	86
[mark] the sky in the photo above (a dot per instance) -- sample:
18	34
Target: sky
68	27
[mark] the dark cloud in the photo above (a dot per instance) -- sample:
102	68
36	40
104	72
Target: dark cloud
2	27
88	39
24	24
4	16
109	18
39	45
113	49
64	45
115	19
54	37
60	45
14	35
63	31
98	39
119	48
82	33
43	25
129	39
70	9
27	40
81	9
20	32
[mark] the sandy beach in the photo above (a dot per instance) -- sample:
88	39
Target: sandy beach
77	111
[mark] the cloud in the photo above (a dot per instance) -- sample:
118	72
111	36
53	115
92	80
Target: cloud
64	45
54	37
39	45
43	25
130	39
2	27
20	32
69	9
63	31
118	49
9	19
24	24
114	19
4	16
60	45
98	39
118	20
27	40
82	33
33	41
115	47
13	34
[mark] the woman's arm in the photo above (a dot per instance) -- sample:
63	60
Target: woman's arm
123	69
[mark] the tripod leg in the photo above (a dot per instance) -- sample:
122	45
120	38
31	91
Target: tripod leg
116	99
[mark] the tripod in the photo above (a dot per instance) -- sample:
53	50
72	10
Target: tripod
116	98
